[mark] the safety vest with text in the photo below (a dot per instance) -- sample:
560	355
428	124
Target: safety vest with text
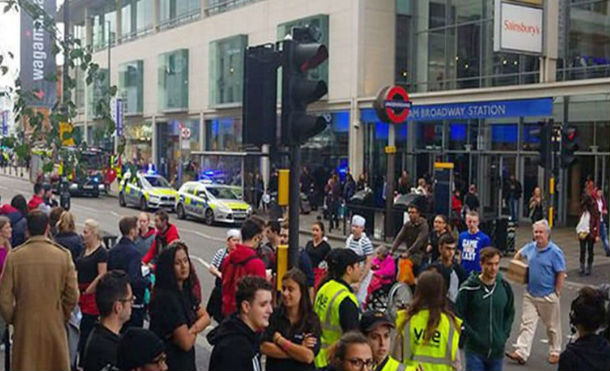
326	307
437	354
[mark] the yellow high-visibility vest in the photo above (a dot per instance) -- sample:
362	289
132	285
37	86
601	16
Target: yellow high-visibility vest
392	365
437	354
326	306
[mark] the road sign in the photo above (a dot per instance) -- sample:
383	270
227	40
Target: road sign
392	104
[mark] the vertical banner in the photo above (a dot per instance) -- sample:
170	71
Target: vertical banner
119	117
4	123
37	59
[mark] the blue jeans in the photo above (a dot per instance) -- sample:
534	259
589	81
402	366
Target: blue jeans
476	362
604	235
513	206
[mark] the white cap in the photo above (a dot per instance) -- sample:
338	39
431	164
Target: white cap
358	221
233	233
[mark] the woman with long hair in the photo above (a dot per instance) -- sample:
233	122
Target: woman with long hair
428	332
440	226
317	249
588	232
176	315
91	265
292	339
536	205
351	353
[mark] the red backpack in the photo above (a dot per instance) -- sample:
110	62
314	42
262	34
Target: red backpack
231	275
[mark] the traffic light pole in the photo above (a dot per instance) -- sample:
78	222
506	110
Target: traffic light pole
293	208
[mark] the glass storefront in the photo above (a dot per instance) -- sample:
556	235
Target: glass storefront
138	148
175	149
227	69
224	134
173	84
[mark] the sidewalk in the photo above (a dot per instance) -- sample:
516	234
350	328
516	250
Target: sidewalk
564	237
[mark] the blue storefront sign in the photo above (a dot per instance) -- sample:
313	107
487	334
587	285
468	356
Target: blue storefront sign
4	123
482	110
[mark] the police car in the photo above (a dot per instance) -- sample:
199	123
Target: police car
212	203
147	191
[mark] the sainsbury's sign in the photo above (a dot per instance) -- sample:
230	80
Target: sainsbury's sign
518	28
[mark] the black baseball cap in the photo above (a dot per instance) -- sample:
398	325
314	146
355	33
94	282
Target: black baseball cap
340	259
372	319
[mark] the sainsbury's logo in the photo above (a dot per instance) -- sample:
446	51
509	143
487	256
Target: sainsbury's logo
521	27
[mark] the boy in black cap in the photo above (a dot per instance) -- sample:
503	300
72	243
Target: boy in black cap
336	304
377	327
141	350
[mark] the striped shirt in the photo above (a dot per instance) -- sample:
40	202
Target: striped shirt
362	246
219	257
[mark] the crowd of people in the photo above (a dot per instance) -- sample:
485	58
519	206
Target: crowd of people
139	305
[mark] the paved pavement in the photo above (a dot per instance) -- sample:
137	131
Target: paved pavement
204	240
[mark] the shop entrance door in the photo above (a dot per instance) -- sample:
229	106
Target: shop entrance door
494	171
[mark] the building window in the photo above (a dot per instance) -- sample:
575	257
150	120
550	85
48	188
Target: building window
131	85
176	12
227	69
586	53
96	90
448	44
103	27
320	28
173	80
79	95
224	134
137	18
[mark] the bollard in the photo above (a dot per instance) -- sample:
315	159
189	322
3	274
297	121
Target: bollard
282	264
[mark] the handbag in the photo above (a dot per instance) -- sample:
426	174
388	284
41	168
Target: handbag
582	228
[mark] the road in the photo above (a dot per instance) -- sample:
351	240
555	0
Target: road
204	241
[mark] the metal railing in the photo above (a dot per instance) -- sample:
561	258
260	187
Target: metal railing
180	19
225	5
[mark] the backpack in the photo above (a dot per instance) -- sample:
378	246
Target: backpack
233	273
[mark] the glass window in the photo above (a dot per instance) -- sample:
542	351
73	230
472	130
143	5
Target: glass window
587	53
127	23
458	135
96	92
504	137
429	135
173	80
224	134
103	24
327	151
144	19
319	25
173	12
79	95
131	85
227	69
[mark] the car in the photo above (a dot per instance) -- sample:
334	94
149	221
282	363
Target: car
212	203
147	191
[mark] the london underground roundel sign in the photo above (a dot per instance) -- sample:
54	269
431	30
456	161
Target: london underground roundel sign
392	104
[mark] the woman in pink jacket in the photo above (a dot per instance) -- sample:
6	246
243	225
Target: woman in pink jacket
384	269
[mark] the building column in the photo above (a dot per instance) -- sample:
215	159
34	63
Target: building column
355	141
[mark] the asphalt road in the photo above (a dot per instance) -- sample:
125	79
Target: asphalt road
204	241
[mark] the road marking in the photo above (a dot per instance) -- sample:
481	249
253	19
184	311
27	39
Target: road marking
207	236
203	262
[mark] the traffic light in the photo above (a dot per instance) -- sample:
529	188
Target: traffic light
544	144
301	54
260	94
569	145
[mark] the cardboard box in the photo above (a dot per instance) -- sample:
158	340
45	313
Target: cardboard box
517	271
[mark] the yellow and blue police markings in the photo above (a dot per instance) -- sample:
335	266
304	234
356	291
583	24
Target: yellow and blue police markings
147	191
212	202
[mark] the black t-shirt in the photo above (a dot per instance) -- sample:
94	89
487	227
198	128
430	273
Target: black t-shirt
100	348
280	323
317	254
168	311
86	265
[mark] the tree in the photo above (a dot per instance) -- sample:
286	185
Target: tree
64	110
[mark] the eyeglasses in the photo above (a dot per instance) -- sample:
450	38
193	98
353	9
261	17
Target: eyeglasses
361	364
131	300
